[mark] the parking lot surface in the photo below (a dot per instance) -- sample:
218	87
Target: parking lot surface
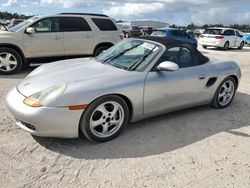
198	147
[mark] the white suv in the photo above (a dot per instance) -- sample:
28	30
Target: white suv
52	37
221	37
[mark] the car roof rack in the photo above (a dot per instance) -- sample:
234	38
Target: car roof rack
88	14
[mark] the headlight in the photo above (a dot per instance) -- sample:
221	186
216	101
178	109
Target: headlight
43	97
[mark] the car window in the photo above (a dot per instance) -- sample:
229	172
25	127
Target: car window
74	24
238	34
104	24
158	33
47	25
229	33
213	31
182	56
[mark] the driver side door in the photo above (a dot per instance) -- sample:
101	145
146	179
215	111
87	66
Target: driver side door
47	41
171	90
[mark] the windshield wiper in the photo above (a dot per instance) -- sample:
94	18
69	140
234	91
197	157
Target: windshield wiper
137	63
4	26
118	66
120	54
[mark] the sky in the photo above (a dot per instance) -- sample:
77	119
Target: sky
180	12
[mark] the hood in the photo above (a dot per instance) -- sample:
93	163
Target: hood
67	71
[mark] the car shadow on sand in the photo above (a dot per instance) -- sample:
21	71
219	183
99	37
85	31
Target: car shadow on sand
161	134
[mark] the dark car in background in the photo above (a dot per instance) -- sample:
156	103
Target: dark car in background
176	34
146	30
14	22
130	30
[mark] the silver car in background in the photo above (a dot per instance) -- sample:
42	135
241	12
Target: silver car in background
135	79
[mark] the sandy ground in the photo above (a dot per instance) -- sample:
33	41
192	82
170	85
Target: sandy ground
199	147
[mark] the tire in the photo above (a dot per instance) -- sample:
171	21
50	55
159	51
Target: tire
226	46
241	45
10	61
96	121
216	102
203	46
100	49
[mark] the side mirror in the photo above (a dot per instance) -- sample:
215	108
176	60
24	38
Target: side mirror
30	30
241	36
168	66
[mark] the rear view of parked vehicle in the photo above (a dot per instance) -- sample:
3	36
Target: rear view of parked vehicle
14	22
222	38
176	34
52	37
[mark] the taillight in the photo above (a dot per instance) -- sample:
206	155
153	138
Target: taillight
121	36
219	37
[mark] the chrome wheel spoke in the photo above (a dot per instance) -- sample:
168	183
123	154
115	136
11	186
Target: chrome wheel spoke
97	122
105	128
115	110
7	67
115	122
103	110
8	56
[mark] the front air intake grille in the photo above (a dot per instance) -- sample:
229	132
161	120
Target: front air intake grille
29	126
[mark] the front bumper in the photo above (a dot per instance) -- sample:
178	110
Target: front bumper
43	121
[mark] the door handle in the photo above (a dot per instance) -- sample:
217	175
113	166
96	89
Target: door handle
203	76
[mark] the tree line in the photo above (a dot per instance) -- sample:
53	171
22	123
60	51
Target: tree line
241	27
9	16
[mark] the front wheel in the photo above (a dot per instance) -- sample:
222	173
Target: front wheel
104	118
225	93
10	61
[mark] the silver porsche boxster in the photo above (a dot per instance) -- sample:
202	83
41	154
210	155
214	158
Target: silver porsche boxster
133	80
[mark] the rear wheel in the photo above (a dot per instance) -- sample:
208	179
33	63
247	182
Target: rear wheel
100	50
241	45
226	46
10	61
105	118
225	93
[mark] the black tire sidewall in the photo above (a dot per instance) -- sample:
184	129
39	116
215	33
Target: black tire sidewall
215	103
100	49
226	48
18	58
85	119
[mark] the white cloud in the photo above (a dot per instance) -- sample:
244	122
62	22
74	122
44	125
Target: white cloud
133	9
10	3
224	15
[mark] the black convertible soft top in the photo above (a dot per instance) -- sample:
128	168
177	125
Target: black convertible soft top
169	42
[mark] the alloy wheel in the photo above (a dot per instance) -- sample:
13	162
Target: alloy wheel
106	119
226	93
8	62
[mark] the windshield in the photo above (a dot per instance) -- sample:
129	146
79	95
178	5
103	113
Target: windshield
22	24
130	54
